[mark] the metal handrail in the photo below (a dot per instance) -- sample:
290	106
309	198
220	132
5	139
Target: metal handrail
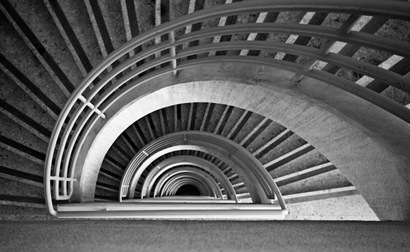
171	176
202	140
200	163
68	118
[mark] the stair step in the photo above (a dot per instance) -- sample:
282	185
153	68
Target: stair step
289	144
19	134
263	135
11	188
15	162
15	81
21	177
79	22
323	181
310	159
305	173
34	30
112	14
319	195
28	71
26	122
17	212
22	150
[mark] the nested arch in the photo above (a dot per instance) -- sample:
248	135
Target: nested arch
187	190
186	160
352	133
250	170
173	179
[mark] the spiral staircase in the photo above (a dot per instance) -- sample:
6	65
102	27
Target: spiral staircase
205	109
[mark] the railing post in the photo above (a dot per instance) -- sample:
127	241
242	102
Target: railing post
173	51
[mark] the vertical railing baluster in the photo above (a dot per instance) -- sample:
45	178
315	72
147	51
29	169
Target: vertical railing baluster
173	51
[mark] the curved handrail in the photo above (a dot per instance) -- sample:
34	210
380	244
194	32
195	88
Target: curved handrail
183	172
185	160
242	161
68	119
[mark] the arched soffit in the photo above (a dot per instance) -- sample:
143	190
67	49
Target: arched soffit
134	171
187	172
257	180
181	179
369	145
175	179
259	183
174	170
186	160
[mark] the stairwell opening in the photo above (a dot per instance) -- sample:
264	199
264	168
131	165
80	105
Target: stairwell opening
188	190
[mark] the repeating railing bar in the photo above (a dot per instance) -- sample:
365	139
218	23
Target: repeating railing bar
173	51
317	19
221	22
252	36
394	10
131	25
387	64
292	37
382	102
372	26
188	28
402	68
157	23
343	30
244	28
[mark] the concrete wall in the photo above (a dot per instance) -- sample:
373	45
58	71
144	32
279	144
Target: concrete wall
369	145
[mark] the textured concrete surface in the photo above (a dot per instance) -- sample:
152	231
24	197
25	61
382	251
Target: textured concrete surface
352	207
353	134
203	236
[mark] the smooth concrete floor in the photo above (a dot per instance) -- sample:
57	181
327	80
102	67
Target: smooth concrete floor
132	235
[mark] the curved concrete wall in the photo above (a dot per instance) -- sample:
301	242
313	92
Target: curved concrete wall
369	145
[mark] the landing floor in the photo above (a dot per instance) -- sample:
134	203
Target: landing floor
127	235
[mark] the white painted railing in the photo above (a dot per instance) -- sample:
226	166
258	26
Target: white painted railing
89	101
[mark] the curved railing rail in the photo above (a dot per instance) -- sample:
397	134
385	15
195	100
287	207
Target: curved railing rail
186	160
243	161
180	176
90	101
141	157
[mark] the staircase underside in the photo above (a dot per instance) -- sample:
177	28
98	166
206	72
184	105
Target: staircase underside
317	95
